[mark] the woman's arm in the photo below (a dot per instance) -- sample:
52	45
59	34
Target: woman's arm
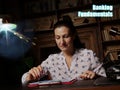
32	75
95	69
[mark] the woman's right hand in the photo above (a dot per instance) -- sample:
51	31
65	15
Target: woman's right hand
34	73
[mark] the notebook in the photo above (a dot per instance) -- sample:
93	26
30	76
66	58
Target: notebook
49	82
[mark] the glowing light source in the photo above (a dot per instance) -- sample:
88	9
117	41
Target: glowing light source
7	27
12	43
10	27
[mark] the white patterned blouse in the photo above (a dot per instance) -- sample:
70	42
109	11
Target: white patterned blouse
82	60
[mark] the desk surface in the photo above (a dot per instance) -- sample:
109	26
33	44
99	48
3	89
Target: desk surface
82	85
79	85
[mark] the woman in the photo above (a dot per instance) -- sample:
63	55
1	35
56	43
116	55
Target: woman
73	62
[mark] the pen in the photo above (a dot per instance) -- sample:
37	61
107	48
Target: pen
96	69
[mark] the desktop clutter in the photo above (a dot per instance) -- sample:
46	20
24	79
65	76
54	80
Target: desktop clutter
112	67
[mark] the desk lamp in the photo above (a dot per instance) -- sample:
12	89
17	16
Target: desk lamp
10	27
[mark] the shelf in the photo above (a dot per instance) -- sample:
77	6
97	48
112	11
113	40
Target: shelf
111	43
51	30
86	25
42	14
117	21
73	9
39	32
58	11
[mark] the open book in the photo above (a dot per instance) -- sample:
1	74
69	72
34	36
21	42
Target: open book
49	82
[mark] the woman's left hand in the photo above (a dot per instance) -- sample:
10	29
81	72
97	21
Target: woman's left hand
88	75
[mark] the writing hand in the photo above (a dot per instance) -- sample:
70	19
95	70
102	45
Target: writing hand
88	75
34	73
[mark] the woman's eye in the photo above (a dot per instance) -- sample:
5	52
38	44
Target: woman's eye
66	36
57	37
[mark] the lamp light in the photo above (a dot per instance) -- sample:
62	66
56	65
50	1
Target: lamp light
10	27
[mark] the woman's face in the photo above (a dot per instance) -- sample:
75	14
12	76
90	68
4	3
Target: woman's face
63	38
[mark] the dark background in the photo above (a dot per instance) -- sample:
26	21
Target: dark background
14	11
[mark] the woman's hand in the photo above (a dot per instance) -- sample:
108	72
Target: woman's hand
88	75
34	73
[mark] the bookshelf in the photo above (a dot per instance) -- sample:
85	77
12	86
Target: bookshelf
110	38
98	27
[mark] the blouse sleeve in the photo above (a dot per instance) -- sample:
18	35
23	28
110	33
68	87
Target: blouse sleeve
96	65
44	65
23	79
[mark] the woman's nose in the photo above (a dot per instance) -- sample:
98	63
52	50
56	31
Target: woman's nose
61	40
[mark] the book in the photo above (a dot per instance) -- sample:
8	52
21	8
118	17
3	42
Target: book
49	82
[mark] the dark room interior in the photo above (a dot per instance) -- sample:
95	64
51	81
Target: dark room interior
32	40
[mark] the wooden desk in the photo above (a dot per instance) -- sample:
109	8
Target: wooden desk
79	85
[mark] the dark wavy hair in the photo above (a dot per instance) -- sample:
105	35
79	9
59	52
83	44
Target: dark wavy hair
67	22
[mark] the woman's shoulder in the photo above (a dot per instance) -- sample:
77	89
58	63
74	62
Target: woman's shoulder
86	53
85	50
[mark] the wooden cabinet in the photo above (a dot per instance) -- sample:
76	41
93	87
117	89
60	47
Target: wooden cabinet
88	36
